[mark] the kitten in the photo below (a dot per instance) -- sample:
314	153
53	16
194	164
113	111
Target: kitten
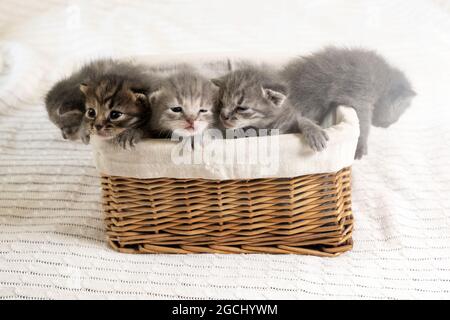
255	97
117	107
358	78
184	104
65	102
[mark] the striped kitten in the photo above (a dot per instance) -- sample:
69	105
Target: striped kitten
183	104
117	107
65	102
255	97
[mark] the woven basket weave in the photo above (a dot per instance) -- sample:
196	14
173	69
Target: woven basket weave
302	205
309	214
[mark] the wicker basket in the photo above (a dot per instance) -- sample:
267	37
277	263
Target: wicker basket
299	214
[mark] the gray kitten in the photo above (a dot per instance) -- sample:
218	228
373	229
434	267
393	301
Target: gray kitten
255	97
184	103
65	103
116	102
358	78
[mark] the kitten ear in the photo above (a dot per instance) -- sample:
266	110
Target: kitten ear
218	82
138	94
276	97
153	96
84	87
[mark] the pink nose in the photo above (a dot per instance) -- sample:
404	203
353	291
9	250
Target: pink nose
225	116
190	121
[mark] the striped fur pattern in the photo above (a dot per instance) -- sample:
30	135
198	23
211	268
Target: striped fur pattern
255	97
116	103
249	97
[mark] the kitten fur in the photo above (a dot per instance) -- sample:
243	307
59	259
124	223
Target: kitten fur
358	78
65	103
116	102
255	97
184	104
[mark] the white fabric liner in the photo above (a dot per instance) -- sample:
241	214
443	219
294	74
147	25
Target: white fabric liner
285	155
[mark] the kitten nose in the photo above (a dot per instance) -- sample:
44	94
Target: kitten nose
224	116
190	121
98	127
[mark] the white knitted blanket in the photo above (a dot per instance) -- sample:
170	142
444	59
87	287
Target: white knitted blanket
52	241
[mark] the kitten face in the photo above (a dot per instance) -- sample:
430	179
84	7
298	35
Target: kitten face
243	101
113	107
183	104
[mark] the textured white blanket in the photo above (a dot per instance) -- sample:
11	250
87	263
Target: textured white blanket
52	242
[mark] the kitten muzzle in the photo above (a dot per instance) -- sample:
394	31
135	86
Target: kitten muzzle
104	133
228	124
227	120
190	125
224	117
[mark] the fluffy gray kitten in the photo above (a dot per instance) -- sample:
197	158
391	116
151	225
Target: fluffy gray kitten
184	103
256	97
65	103
358	78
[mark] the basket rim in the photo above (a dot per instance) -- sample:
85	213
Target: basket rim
289	156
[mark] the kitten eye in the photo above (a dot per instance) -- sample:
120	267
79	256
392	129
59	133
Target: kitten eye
203	110
114	115
241	108
90	113
176	109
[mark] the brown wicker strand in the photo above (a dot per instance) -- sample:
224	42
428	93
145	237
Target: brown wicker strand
309	214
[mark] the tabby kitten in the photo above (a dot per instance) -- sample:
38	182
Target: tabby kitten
359	78
65	102
255	97
183	105
117	108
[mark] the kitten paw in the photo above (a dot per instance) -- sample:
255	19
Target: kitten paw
85	138
128	139
361	150
316	138
70	132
